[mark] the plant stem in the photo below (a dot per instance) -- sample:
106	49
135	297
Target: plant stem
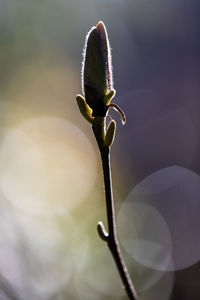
111	238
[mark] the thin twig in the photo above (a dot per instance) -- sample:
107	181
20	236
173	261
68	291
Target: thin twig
111	236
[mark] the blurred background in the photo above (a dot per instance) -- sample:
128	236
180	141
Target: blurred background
51	186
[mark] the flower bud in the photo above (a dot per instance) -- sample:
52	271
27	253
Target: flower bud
97	70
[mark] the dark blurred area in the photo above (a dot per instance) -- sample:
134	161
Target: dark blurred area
51	186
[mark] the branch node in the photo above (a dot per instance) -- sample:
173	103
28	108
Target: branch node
102	231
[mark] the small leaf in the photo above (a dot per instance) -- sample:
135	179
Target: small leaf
108	97
110	134
84	108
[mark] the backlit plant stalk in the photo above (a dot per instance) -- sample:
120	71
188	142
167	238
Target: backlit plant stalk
98	92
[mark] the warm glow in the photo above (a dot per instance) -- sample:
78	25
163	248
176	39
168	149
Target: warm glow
47	166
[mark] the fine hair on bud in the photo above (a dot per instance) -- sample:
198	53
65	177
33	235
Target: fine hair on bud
83	58
96	65
102	31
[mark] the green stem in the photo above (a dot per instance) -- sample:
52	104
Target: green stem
111	238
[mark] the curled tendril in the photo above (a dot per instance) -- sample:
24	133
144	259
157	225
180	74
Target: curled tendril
118	109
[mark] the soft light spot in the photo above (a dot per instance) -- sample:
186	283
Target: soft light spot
47	166
160	220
